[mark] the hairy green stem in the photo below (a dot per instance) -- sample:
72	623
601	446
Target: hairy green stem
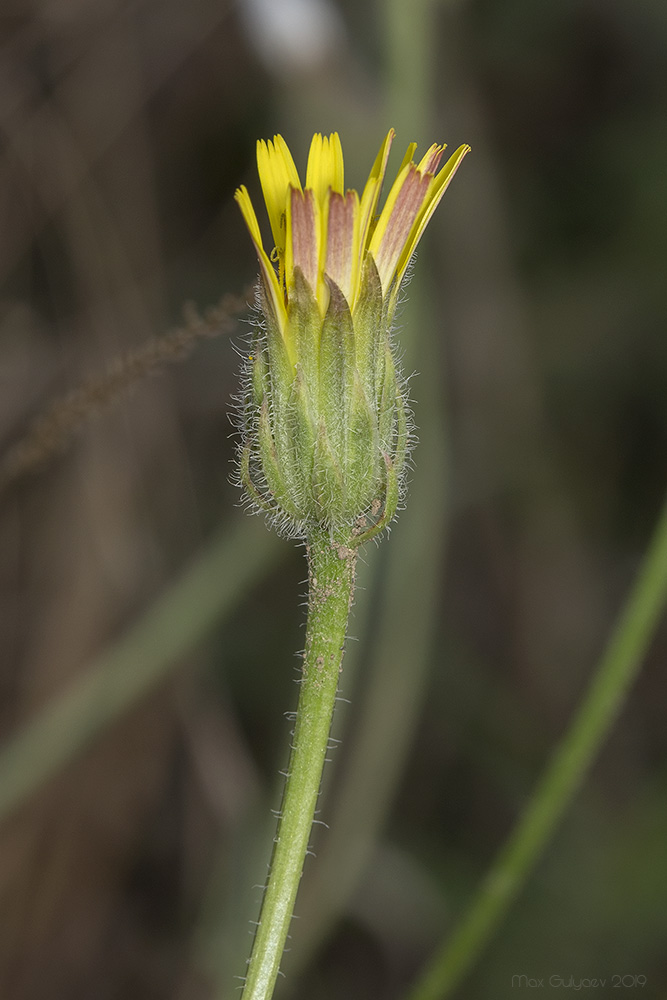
331	566
617	670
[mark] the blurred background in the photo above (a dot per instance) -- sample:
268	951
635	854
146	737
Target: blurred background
130	863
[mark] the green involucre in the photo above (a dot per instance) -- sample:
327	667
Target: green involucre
326	424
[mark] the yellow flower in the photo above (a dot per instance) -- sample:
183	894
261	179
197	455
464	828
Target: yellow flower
326	231
325	420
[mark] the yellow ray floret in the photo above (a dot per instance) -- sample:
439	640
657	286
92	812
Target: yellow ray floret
369	198
304	238
327	232
342	253
437	188
271	284
276	173
325	166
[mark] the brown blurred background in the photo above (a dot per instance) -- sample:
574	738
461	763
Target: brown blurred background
124	129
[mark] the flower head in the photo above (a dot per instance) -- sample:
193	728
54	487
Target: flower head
325	423
327	231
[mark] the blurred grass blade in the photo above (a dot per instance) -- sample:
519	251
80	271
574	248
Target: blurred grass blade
211	588
617	670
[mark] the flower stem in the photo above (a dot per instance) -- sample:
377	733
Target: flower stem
331	565
616	671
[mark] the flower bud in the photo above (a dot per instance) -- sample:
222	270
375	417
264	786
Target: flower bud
326	424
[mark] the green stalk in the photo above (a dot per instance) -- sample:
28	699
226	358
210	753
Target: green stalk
617	670
331	566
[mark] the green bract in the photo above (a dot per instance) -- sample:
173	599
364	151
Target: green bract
325	437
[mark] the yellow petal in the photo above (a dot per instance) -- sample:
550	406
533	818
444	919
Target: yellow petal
404	203
276	173
269	275
325	166
402	171
409	153
438	187
343	259
371	193
431	159
303	238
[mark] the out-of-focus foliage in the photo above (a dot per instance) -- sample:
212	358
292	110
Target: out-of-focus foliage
124	129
